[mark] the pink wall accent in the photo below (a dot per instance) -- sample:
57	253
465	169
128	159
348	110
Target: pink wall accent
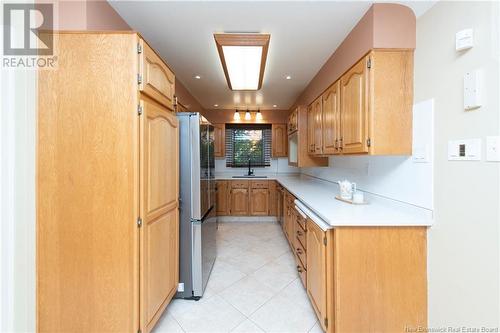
96	15
101	16
384	25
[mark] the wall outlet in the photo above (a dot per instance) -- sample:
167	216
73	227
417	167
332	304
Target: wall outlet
493	148
180	287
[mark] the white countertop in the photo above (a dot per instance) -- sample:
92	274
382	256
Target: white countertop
319	196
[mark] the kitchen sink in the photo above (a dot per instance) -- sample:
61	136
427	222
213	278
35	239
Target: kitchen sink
249	176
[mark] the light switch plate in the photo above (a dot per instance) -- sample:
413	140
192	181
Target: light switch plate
472	89
493	148
464	150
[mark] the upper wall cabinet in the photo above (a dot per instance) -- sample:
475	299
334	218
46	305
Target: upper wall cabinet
219	140
368	110
331	119
354	109
301	141
155	78
279	140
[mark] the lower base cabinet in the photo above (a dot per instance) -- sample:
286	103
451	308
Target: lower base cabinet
367	279
247	198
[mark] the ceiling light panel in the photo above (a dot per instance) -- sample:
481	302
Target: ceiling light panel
243	58
243	66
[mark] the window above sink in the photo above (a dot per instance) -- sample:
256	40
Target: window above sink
248	141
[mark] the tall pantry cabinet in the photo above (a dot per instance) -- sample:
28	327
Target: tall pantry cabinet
107	186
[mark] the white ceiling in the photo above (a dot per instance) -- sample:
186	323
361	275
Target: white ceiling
303	36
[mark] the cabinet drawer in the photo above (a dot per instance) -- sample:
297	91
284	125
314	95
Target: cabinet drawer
300	234
300	253
302	273
239	184
156	79
259	184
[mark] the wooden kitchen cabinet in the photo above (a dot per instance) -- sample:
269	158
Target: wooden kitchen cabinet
160	218
155	78
292	124
222	199
107	192
259	202
219	140
316	270
317	114
368	110
239	201
340	267
331	119
354	109
310	129
301	142
279	140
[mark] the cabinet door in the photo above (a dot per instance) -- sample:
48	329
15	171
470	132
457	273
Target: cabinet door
318	126
219	140
222	199
310	129
259	202
156	79
159	135
316	270
279	140
239	201
354	109
273	199
331	119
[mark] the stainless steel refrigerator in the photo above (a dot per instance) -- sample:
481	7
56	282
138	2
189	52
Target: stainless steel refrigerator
198	220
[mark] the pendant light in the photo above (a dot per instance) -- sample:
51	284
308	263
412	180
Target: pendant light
248	116
236	115
258	116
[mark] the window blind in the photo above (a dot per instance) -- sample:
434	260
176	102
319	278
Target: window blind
248	141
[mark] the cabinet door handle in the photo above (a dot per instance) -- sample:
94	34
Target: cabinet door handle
299	251
299	269
299	233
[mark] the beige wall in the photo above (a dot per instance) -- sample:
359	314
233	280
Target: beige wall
463	245
383	25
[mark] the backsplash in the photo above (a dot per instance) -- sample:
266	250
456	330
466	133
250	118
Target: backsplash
278	165
404	178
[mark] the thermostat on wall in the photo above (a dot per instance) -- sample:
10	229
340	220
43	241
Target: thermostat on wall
464	150
464	39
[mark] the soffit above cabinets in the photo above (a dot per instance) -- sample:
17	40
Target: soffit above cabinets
303	36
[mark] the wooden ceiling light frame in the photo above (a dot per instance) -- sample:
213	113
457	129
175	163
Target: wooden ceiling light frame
233	39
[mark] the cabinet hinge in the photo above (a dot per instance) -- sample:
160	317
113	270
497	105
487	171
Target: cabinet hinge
139	79
139	109
326	322
139	222
139	48
368	142
369	63
324	240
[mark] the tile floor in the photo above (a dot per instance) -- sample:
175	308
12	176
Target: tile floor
254	287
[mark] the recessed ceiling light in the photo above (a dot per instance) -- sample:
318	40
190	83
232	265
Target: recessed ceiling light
275	106
288	77
243	58
216	105
197	77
